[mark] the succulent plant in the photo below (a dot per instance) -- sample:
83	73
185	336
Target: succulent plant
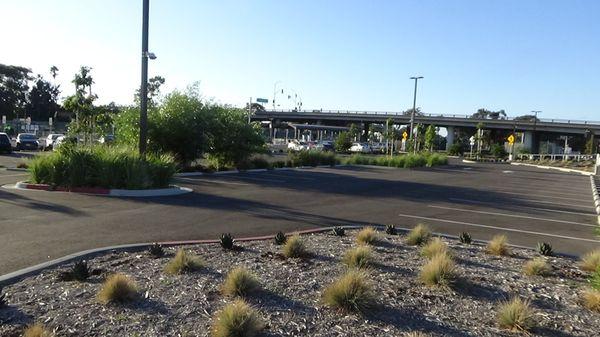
2	299
156	250
226	241
544	248
465	237
339	231
391	230
80	271
280	239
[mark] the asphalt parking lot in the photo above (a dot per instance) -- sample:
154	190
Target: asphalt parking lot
527	204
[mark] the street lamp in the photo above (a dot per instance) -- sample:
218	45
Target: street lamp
275	92
535	112
144	86
412	113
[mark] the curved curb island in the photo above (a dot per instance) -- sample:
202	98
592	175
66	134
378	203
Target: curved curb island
158	192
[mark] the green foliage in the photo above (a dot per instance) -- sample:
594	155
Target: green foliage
343	142
456	149
339	231
465	238
435	159
313	158
280	239
498	151
156	250
102	166
391	230
13	90
430	134
402	161
78	272
43	98
595	279
227	241
3	301
544	248
237	319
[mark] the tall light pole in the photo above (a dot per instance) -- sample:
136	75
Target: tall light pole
412	113
275	92
535	112
144	86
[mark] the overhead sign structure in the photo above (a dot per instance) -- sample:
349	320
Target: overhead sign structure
511	139
404	135
262	100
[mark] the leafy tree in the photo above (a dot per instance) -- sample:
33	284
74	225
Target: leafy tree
354	132
82	105
13	90
488	114
372	133
430	134
154	85
498	151
408	112
343	142
43	98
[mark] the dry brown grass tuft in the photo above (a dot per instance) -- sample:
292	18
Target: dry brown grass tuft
418	235
295	247
359	257
515	315
439	271
117	288
367	236
498	246
350	292
237	319
591	299
590	261
536	267
240	282
183	262
37	330
434	247
416	334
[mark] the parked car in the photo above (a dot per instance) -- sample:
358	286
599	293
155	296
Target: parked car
5	145
360	148
51	139
27	141
296	145
324	145
377	148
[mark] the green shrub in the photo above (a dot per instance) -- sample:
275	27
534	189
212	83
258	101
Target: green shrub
156	250
237	319
351	292
465	238
343	142
339	231
279	239
515	315
595	280
414	160
436	159
3	301
313	158
418	235
240	282
498	151
544	248
359	257
183	262
456	149
391	230
117	288
226	241
78	272
102	166
259	163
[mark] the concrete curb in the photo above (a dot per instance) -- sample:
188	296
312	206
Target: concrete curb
562	169
160	192
195	174
18	275
596	195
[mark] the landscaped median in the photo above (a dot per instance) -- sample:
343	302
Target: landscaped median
114	171
335	283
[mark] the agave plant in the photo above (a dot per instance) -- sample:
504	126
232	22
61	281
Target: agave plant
339	231
465	238
226	241
391	230
2	299
544	248
280	239
156	250
79	272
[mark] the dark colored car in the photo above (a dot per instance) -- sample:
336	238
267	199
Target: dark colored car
27	141
5	145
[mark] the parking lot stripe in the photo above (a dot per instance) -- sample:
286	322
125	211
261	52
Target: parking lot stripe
13	175
539	195
511	215
212	181
520	206
497	228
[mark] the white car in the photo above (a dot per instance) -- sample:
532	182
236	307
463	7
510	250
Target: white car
296	145
360	148
51	139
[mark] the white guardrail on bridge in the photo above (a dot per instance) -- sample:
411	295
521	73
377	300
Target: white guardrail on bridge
555	156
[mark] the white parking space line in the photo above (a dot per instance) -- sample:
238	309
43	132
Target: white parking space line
497	228
538	195
511	215
13	175
495	204
546	192
291	176
544	188
553	203
198	180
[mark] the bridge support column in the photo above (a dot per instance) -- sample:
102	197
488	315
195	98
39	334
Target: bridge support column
449	137
528	141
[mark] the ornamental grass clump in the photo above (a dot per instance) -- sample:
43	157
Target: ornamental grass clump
367	236
240	282
434	247
416	334
237	319
36	330
591	299
418	235
536	267
117	288
498	246
590	261
351	292
295	247
183	262
440	270
515	315
359	257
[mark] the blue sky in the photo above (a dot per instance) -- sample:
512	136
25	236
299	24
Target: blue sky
514	55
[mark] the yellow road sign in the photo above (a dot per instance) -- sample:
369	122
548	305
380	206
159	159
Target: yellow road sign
511	139
404	135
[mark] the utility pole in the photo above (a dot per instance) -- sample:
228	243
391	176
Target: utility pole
144	86
533	138
412	113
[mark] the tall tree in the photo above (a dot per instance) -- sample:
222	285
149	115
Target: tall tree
82	104
430	134
13	90
154	85
43	98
